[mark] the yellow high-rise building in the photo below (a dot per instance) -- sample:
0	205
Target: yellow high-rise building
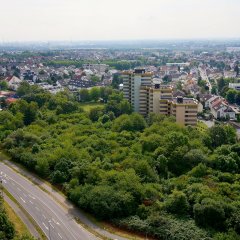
145	98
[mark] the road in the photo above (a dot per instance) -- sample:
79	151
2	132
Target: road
22	215
204	76
55	221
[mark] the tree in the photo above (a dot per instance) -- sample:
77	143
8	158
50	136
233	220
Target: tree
95	113
94	94
116	81
166	78
236	69
3	85
231	95
23	89
95	78
238	98
193	158
209	213
42	167
219	135
106	202
214	90
29	110
177	203
133	122
61	172
221	84
7	230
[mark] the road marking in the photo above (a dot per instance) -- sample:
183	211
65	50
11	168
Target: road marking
43	203
51	225
37	209
31	202
23	200
55	221
45	225
19	189
31	196
44	216
59	235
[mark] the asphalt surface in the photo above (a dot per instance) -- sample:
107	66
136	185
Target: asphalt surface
21	214
204	76
55	221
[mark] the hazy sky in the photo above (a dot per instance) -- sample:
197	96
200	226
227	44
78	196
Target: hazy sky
29	20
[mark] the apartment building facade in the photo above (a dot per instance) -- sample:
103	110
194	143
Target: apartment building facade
146	97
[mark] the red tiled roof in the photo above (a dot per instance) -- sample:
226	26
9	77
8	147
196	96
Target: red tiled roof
11	100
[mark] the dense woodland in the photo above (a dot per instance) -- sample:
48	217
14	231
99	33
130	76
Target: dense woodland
146	175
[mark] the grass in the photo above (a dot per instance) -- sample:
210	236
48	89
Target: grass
124	233
3	156
20	227
88	106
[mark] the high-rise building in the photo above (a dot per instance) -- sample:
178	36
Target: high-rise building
133	82
146	97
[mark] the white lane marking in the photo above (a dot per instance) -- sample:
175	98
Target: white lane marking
31	196
45	225
4	181
55	221
31	202
51	225
23	200
44	216
42	202
59	235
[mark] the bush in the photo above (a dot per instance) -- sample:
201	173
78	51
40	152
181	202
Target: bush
7	230
177	203
164	227
209	213
105	202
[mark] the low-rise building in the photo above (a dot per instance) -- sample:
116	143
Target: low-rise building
235	86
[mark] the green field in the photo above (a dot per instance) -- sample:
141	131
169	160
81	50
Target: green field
88	106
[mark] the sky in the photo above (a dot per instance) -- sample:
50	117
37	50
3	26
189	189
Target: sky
80	20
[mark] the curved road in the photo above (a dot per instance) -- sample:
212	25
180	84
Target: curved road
54	221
